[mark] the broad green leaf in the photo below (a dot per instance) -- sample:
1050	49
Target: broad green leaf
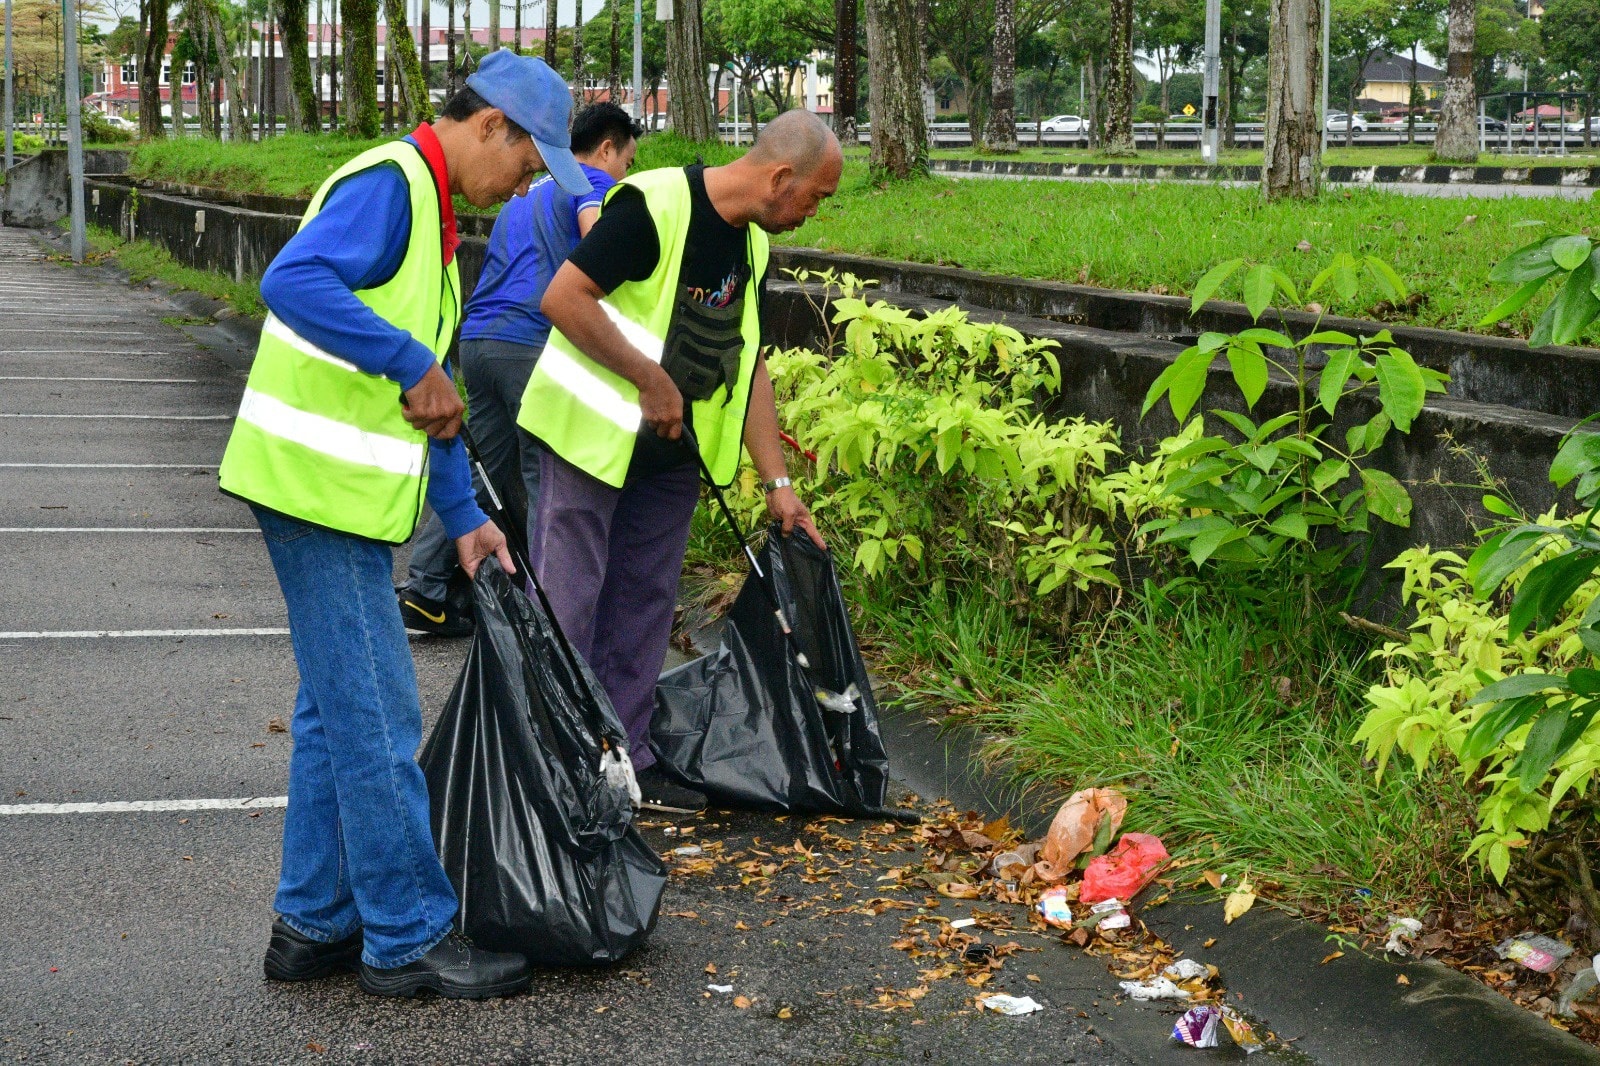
1570	252
1258	288
1285	285
1246	428
1329	473
1262	335
1367	436
1249	372
1544	328
1539	750
1203	546
1501	556
1498	722
1575	305
1495	505
1345	282
1526	263
1260	456
1296	446
1331	385
1584	681
1385	276
1210	280
1291	525
1548	587
1518	685
1331	336
1387	498
1183	382
1515	302
1401	390
1579	454
1211	342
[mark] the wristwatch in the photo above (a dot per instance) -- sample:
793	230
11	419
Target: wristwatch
776	483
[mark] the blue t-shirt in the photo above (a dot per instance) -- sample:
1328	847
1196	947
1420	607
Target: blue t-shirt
532	237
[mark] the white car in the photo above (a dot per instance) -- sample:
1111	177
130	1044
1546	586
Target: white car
117	122
1578	127
1064	124
1339	122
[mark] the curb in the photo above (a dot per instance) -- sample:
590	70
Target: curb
1427	174
1350	1011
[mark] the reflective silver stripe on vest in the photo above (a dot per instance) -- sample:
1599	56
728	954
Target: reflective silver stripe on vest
649	344
277	328
389	454
597	395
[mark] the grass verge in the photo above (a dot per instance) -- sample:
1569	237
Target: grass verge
1163	236
1368	156
143	260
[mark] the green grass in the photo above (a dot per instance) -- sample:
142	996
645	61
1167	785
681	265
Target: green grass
1162	236
1367	156
1229	734
144	260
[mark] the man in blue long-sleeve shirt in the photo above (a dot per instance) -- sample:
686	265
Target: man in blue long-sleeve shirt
347	413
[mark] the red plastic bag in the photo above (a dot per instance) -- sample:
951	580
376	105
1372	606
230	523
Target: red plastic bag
1121	872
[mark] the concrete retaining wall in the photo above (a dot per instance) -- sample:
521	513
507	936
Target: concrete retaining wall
35	192
1492	412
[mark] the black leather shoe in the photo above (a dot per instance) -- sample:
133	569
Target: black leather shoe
454	968
293	957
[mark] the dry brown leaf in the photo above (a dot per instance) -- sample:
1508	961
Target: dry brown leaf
312	1045
1401	979
1238	902
784	1014
742	1002
711	967
1336	955
1209	941
1212	878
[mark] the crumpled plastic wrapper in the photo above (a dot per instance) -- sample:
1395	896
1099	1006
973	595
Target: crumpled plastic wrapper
1535	951
1152	988
1198	1027
1010	1005
1073	830
1401	930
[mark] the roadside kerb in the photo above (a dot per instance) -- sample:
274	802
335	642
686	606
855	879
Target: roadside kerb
1425	174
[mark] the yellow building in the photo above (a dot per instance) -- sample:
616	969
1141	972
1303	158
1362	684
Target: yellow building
1388	80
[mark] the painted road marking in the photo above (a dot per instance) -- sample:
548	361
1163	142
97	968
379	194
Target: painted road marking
111	466
124	529
140	634
139	806
114	381
92	332
146	418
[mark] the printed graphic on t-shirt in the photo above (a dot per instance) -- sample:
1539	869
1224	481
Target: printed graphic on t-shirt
721	296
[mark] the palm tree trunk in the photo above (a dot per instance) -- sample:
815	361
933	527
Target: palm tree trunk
1457	140
689	106
844	70
1119	83
894	91
1293	147
1000	133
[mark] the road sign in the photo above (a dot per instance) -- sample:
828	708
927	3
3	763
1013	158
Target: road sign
1188	109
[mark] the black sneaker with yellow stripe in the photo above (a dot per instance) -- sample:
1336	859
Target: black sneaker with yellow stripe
435	617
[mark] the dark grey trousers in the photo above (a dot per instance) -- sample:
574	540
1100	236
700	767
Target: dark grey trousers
496	373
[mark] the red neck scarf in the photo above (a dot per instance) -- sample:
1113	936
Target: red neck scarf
428	142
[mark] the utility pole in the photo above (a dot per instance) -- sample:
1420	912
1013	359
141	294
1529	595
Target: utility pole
638	59
1211	90
69	33
11	108
1322	116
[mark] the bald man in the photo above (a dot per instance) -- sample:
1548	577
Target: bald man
657	330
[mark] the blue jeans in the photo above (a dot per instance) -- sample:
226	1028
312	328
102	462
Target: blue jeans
358	851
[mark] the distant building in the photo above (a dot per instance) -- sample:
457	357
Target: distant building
1388	81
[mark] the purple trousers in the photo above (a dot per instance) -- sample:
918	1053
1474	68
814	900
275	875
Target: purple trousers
609	560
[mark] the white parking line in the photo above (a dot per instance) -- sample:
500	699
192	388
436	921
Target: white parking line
140	634
109	381
138	806
74	351
110	466
124	529
94	332
146	418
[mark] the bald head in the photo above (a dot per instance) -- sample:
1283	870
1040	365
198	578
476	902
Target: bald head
799	139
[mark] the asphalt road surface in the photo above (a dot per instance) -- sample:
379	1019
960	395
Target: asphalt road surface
143	664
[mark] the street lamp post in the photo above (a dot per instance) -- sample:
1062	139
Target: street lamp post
10	104
1211	89
69	37
638	59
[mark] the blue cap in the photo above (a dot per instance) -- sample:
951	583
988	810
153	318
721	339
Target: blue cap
535	98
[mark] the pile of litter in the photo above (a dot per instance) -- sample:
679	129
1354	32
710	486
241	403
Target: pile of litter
1077	886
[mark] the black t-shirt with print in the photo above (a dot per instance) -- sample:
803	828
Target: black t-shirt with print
622	246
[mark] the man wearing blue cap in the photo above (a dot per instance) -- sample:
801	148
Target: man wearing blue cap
348	420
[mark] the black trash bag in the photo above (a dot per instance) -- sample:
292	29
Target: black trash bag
541	849
745	724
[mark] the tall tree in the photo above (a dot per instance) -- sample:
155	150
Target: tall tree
1457	139
360	19
1000	132
577	57
153	16
614	55
845	89
551	28
598	38
401	54
1168	31
494	25
450	85
238	127
688	101
1083	35
1361	30
1293	145
1119	82
292	16
894	90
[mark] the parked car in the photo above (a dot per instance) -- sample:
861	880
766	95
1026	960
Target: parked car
1593	125
117	122
1339	122
1064	124
1491	125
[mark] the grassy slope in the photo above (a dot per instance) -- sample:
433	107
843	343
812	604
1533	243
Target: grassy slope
1164	236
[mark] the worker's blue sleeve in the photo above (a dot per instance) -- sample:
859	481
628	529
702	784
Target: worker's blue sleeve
357	241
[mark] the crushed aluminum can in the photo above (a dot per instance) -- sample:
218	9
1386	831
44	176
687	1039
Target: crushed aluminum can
1198	1027
1535	951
